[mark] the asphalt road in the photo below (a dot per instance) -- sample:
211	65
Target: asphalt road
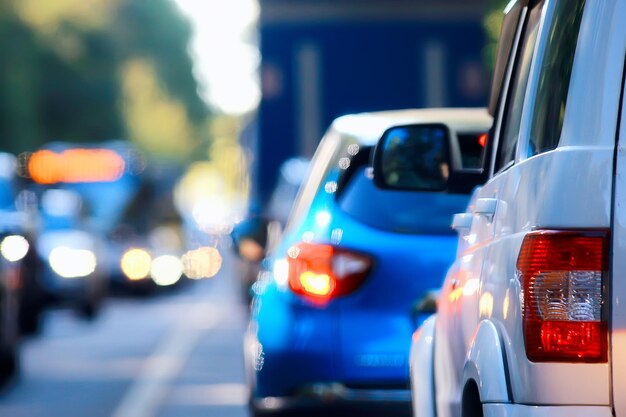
171	355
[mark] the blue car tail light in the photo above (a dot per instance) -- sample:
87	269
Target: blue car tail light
321	272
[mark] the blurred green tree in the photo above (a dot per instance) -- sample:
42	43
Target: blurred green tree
156	30
20	56
62	73
492	23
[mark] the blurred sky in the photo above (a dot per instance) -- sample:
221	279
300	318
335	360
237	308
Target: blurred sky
225	57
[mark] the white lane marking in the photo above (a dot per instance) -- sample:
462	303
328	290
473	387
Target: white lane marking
151	386
210	395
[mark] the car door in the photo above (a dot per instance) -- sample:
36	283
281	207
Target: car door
460	302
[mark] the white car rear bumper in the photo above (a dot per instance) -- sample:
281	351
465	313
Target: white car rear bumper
517	410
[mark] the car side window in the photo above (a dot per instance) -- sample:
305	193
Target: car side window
505	46
554	77
320	165
509	133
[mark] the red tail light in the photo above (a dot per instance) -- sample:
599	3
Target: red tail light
562	275
482	140
321	272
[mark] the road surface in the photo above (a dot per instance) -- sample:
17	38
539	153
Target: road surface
170	355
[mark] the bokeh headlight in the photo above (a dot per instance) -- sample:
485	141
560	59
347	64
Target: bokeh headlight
166	270
14	248
135	264
72	263
204	262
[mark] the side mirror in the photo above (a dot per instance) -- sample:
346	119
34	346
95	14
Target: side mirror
423	157
413	157
250	239
424	307
428	303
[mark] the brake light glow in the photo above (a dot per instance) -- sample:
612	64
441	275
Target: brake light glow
562	275
482	140
321	272
316	284
76	166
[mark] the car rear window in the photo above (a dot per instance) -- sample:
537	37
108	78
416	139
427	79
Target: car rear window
472	147
394	211
507	144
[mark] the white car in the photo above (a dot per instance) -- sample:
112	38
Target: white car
531	319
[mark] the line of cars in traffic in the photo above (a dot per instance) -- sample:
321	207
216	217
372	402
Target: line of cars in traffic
354	304
76	222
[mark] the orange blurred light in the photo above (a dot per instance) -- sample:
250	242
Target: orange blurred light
76	165
316	284
250	250
455	294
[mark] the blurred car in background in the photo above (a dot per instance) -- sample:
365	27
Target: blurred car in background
144	263
131	211
145	246
333	313
293	172
19	222
17	247
20	306
258	233
71	253
250	242
10	275
80	191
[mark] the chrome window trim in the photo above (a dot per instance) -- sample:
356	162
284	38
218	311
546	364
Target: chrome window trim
505	90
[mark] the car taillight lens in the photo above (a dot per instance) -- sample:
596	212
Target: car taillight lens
562	275
321	272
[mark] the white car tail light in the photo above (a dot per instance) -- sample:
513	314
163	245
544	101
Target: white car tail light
563	277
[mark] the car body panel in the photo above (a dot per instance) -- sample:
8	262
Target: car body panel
517	410
374	329
485	356
9	310
291	349
618	267
421	370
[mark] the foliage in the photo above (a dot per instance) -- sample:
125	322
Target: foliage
92	70
492	23
154	120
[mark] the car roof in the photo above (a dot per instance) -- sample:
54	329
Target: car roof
367	128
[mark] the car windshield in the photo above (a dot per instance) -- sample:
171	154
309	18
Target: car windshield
107	200
395	211
7	195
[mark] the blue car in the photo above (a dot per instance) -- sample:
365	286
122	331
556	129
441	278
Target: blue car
69	252
335	306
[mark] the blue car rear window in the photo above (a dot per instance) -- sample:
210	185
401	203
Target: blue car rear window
398	211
